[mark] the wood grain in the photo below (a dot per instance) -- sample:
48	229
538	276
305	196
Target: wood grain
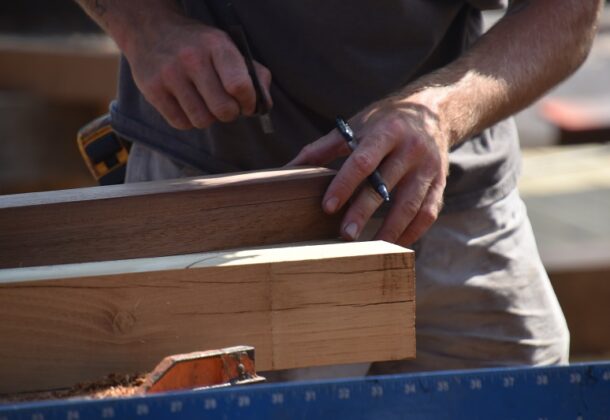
584	295
165	218
299	306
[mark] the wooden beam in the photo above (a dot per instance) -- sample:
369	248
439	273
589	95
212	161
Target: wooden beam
583	294
299	306
64	68
165	218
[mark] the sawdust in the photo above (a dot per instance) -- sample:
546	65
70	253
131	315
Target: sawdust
113	385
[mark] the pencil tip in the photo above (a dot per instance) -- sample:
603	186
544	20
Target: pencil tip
384	193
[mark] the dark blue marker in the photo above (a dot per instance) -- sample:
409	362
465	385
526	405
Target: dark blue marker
375	178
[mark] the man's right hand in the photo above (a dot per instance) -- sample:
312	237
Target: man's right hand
193	74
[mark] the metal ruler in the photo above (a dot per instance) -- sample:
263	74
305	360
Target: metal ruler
574	392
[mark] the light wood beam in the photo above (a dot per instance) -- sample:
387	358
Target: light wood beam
299	306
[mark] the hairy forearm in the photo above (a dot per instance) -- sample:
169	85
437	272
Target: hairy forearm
124	20
535	46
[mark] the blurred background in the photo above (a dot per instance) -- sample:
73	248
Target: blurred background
58	72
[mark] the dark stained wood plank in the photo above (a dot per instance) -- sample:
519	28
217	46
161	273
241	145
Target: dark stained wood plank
165	218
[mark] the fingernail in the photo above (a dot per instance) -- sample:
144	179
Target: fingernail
351	230
331	204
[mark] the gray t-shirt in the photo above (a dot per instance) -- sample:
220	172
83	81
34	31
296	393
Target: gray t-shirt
332	58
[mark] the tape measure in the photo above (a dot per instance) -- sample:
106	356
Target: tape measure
576	392
105	153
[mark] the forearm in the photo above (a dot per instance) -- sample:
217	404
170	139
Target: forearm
535	46
124	20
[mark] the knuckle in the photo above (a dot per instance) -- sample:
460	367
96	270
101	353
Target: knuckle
428	173
390	235
310	155
441	183
152	88
265	75
214	38
408	238
218	44
341	187
188	103
202	121
197	115
428	216
363	162
168	73
435	160
225	111
408	208
418	145
190	57
237	86
358	214
308	150
415	231
177	121
396	125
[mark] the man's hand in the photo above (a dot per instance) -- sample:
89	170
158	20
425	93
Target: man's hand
194	74
191	73
405	140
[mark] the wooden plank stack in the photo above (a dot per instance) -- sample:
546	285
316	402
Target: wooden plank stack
299	304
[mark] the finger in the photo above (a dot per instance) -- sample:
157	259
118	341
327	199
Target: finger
219	102
368	200
190	101
358	166
322	151
408	201
264	76
169	108
200	70
234	78
426	216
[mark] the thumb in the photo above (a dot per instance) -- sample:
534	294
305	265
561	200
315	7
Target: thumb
322	151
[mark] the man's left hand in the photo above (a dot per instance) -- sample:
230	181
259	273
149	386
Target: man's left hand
403	138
